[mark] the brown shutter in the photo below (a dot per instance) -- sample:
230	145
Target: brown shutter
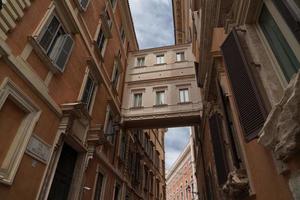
291	18
215	124
252	113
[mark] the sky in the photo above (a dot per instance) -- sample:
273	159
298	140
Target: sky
176	140
153	22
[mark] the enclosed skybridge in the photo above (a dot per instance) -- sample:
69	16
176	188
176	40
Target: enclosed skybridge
161	88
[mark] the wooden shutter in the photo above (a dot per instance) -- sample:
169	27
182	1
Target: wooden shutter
252	113
61	51
292	19
215	123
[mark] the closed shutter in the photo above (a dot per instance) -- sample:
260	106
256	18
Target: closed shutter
61	51
215	124
290	12
252	113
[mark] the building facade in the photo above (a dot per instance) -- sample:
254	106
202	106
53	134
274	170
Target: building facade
248	60
62	71
180	179
160	88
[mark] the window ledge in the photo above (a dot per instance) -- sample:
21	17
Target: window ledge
136	107
157	64
181	61
142	66
160	105
183	103
44	57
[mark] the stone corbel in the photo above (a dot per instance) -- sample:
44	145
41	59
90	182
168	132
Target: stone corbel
281	131
237	185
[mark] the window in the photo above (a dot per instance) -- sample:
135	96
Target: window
137	99
16	109
116	74
101	40
99	186
56	43
113	3
88	91
160	59
83	4
108	19
117	193
290	11
184	95
109	130
123	146
122	33
160	97
282	51
180	56
140	61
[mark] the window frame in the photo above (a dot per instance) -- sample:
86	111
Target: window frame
138	64
103	186
81	8
160	59
186	95
134	99
181	56
163	99
116	73
9	89
109	115
286	32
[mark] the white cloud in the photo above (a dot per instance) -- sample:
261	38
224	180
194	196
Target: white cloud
153	21
176	140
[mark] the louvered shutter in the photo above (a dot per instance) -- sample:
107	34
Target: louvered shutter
252	113
215	124
290	13
61	51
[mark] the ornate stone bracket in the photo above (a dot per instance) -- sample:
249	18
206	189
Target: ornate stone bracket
281	131
237	185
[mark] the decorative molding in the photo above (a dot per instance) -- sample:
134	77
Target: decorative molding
10	164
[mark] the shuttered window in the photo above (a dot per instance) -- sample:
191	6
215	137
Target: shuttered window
56	43
281	49
215	123
290	11
252	113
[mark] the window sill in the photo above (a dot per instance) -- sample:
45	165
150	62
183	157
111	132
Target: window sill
142	66
136	107
43	56
160	105
157	64
181	61
183	103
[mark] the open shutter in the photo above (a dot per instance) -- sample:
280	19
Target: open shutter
252	113
215	123
61	51
291	14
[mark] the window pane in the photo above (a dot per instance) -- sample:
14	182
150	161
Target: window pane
100	40
159	59
285	56
88	91
49	34
160	97
180	56
137	100
99	184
